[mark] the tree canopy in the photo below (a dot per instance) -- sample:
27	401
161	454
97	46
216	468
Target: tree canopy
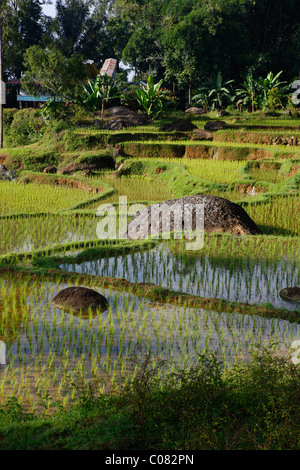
184	42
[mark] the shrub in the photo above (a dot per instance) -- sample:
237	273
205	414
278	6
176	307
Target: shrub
58	110
28	159
26	128
8	117
74	141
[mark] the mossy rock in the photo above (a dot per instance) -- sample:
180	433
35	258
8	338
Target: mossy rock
80	299
220	215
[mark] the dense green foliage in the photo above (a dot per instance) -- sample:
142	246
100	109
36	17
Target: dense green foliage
49	71
186	43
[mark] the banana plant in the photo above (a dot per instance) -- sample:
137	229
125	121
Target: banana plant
269	83
216	97
150	97
220	94
96	92
249	95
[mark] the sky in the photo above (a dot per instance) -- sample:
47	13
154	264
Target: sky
49	10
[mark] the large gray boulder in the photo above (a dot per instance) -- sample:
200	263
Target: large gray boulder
213	126
123	117
80	299
220	215
202	134
181	125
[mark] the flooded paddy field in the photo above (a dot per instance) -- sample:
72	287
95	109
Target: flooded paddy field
256	281
27	234
50	351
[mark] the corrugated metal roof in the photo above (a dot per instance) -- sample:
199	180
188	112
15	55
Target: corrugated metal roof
109	68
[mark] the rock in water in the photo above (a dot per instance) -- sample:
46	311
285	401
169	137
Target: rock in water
291	294
80	299
220	215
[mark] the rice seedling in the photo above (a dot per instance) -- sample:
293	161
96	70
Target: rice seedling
278	217
32	233
208	143
51	353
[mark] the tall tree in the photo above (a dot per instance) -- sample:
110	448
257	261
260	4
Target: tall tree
189	41
50	71
71	18
23	26
143	47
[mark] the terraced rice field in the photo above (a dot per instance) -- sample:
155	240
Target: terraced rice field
175	304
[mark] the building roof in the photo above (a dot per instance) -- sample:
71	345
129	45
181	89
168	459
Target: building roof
91	69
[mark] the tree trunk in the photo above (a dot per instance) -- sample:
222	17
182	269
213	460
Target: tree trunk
102	110
54	100
1	106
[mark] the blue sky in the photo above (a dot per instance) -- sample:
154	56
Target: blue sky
49	9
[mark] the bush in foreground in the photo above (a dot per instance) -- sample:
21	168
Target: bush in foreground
250	406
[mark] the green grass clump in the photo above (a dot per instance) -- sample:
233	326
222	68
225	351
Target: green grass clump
31	158
100	158
270	176
177	178
74	141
